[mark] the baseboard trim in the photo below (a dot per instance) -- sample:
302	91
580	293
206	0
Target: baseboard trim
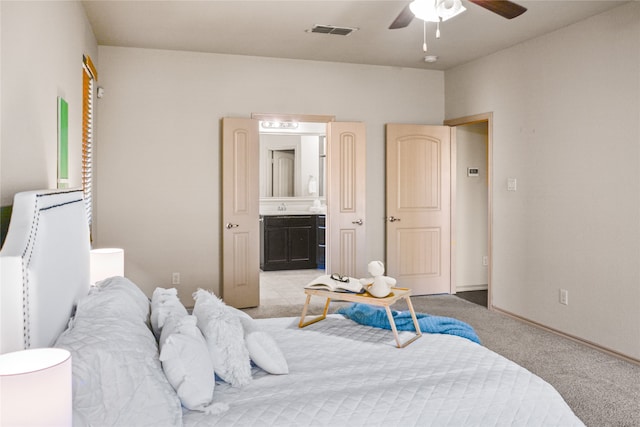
468	288
568	336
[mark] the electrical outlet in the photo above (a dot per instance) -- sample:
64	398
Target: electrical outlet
175	279
485	260
564	296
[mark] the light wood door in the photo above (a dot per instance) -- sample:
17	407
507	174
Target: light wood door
282	175
346	176
240	213
418	207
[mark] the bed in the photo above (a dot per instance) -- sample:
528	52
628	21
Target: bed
332	373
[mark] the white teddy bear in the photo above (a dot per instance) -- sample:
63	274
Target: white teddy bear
378	285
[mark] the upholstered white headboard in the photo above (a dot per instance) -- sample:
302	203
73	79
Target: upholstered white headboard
44	267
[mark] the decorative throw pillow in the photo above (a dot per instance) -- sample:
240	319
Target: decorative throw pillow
162	293
225	338
186	362
164	302
263	349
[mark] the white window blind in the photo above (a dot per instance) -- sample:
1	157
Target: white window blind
89	75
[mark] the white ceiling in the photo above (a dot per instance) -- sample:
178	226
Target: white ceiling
277	28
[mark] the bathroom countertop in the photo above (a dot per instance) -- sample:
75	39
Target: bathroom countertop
290	213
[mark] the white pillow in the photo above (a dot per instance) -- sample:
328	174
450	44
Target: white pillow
225	338
186	362
117	377
162	294
265	353
134	301
263	349
164	302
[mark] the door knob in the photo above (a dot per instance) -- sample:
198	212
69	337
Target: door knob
393	219
358	222
229	225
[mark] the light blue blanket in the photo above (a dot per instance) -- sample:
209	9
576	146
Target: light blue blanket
377	317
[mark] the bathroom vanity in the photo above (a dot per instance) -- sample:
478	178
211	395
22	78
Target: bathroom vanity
290	241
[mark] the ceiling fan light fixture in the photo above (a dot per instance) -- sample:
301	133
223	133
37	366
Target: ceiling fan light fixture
447	9
425	10
436	10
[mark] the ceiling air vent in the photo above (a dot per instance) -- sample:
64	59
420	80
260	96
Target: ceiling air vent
330	29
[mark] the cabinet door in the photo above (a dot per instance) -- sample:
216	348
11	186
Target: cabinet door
320	240
275	242
289	243
301	244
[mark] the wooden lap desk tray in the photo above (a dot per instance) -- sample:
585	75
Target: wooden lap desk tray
365	298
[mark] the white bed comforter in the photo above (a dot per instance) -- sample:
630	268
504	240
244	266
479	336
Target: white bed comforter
344	374
340	374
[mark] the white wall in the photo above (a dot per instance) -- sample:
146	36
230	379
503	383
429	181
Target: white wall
42	48
158	144
471	208
566	110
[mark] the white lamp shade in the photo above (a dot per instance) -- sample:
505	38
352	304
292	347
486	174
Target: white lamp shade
105	263
35	388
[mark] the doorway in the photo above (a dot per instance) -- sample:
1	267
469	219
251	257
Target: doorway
292	184
346	205
284	287
471	153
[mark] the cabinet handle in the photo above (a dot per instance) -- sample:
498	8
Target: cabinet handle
230	226
393	219
358	222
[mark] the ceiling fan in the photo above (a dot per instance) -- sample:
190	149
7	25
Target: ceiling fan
504	8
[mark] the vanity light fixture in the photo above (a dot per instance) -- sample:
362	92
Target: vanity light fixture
278	125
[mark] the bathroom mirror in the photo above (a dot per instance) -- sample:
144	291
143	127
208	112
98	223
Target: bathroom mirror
292	160
281	177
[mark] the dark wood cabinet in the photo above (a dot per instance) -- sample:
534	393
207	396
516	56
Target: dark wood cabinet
320	239
288	242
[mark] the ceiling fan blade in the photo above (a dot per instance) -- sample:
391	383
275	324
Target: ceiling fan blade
403	20
504	8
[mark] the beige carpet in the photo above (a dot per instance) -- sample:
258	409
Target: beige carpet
601	389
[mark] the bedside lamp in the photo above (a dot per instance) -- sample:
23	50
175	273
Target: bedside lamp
106	262
35	388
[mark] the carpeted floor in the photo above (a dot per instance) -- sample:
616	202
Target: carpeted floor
601	389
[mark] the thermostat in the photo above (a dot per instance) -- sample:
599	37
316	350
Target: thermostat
472	172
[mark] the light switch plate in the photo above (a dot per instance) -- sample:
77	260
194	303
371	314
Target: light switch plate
512	184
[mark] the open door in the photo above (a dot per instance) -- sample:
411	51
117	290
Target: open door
346	178
240	262
418	207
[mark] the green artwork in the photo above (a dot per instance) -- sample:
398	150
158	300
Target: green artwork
5	217
63	143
